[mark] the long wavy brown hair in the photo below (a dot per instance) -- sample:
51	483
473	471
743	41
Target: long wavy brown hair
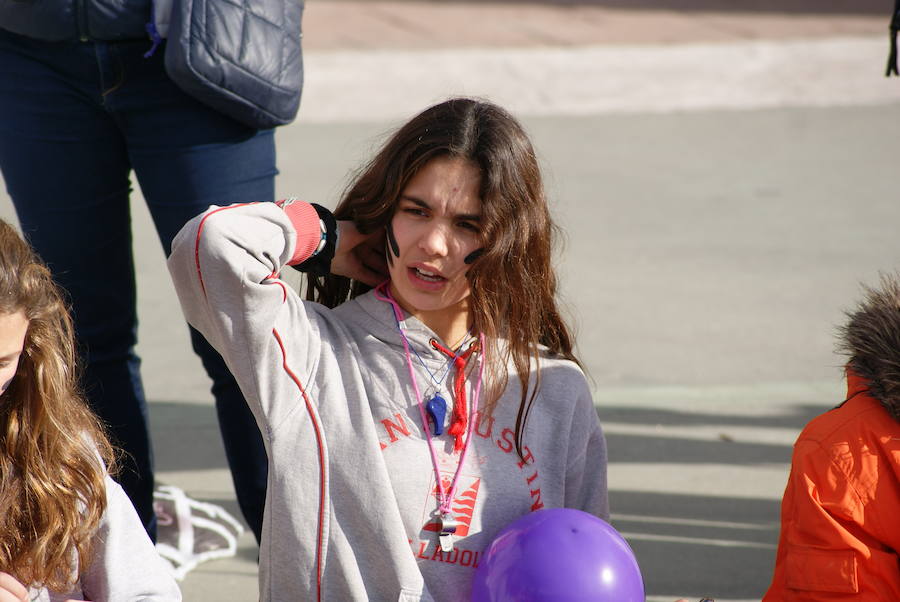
52	489
513	284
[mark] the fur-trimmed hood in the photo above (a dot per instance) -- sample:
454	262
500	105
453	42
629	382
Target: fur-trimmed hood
871	340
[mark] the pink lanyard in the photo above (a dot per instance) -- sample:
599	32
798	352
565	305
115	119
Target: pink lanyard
445	498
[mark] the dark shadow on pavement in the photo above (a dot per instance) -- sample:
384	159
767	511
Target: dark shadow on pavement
726	449
678	450
798	415
699	546
186	437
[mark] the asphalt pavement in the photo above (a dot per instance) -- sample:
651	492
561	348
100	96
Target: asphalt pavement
724	175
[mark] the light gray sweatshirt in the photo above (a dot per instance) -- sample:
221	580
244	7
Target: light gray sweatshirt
125	566
350	511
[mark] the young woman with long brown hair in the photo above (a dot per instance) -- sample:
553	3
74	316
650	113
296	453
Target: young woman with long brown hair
66	529
407	423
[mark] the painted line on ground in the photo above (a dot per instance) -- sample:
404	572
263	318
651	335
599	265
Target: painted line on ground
388	84
703	541
692	522
725	432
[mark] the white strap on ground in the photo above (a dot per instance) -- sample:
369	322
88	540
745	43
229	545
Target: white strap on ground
189	515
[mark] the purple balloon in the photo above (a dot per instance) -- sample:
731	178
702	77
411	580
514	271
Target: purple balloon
558	554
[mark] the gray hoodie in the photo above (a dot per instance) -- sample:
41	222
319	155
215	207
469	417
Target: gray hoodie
125	566
350	511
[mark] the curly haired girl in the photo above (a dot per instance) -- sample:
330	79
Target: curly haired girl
66	529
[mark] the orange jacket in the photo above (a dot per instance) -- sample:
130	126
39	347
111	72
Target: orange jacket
840	516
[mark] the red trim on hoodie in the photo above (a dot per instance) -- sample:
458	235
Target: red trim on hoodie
321	452
301	218
274	278
200	230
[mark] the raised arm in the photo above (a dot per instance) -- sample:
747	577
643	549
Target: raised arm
225	264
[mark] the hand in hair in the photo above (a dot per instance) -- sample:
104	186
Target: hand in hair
11	590
359	256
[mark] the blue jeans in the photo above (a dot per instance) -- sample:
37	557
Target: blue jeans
75	119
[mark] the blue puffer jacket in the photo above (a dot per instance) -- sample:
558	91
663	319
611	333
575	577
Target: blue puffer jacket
57	20
242	59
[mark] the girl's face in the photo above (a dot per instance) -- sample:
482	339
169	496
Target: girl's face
436	225
12	341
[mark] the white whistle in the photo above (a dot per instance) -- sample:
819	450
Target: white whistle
446	540
449	525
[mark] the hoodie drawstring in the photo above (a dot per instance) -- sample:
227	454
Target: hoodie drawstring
458	426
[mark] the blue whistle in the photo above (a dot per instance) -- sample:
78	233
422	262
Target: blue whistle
437	409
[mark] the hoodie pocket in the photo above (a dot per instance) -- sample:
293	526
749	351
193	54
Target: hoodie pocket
814	570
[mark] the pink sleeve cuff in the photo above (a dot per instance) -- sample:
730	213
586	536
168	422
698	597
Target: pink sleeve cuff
309	233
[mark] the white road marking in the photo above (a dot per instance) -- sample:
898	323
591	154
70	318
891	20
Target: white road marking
692	522
390	84
703	541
